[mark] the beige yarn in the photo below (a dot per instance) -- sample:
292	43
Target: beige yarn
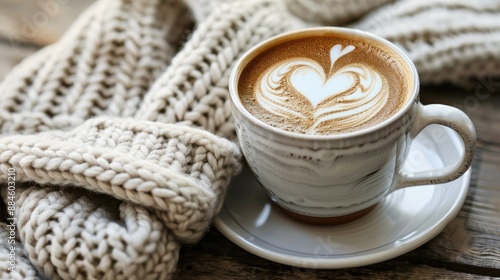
333	12
453	41
179	171
102	66
24	270
120	132
93	237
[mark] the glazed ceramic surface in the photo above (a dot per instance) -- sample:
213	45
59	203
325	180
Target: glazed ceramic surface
340	174
402	221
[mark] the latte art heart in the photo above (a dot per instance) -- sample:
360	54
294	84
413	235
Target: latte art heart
347	97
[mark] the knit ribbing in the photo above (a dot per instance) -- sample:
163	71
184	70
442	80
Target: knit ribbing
449	41
333	12
194	88
175	169
82	236
102	66
20	268
110	129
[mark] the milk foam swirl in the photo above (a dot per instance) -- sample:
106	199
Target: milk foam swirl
300	89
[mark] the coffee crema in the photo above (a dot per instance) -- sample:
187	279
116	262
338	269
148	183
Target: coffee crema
323	85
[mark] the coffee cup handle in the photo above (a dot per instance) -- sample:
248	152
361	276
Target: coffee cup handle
454	119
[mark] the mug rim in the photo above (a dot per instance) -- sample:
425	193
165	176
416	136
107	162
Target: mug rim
243	61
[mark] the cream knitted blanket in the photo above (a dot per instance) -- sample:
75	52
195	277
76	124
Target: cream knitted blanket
119	138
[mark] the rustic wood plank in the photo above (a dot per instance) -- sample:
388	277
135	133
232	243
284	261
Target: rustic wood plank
39	22
473	238
215	257
481	102
466	249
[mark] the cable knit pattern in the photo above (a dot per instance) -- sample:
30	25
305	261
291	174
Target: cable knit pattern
24	269
181	171
449	41
93	237
121	132
103	66
194	89
333	12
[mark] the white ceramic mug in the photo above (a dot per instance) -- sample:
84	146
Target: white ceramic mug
329	179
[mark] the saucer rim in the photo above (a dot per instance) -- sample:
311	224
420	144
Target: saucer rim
333	262
356	261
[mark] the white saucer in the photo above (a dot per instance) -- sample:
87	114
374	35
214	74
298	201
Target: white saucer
405	220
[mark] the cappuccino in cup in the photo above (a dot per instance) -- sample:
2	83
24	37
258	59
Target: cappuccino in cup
324	84
325	118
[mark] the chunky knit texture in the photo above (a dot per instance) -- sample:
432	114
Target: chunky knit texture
24	269
453	41
121	133
93	237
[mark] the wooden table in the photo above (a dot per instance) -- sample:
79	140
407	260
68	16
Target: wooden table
468	248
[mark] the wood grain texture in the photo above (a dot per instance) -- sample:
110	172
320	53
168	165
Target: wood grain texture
468	248
472	239
215	257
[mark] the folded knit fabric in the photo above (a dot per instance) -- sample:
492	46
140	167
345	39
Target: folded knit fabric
120	133
24	269
455	41
160	183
